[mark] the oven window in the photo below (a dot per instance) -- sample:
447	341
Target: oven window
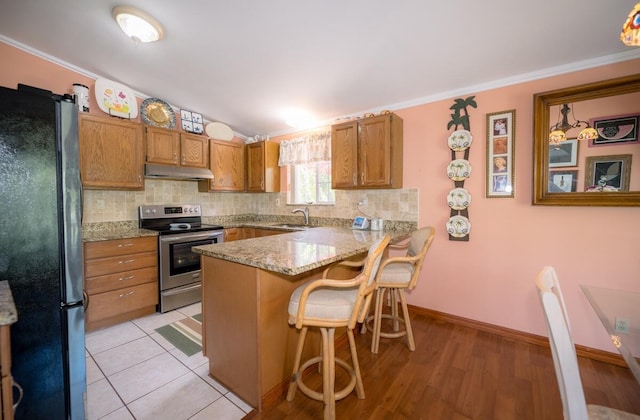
182	259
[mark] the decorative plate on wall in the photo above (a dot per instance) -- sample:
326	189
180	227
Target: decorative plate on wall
459	199
115	99
458	226
459	170
157	113
460	140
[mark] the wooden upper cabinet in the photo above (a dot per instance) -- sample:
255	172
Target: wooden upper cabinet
194	150
227	165
111	153
168	147
262	170
367	153
163	146
344	155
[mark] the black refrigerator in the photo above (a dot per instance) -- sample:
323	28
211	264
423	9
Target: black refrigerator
41	251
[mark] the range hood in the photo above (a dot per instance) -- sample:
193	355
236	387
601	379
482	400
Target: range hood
152	170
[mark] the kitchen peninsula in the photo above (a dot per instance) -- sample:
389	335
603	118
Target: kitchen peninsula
245	295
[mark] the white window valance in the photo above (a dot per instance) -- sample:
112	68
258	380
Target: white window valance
314	147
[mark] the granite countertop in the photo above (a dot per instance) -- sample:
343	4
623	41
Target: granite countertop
114	230
298	252
8	313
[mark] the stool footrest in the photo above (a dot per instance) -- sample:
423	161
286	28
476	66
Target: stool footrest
318	395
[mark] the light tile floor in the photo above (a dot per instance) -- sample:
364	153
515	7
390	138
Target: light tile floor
134	373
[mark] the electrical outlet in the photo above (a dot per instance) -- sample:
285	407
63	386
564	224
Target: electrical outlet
100	204
277	202
622	325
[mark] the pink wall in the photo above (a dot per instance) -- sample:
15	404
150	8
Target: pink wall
491	277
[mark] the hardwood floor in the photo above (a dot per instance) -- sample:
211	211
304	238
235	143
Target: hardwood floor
459	372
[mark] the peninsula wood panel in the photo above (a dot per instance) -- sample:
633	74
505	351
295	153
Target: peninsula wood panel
247	337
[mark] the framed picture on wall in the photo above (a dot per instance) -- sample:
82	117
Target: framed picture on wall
608	173
620	129
563	181
563	154
500	154
192	122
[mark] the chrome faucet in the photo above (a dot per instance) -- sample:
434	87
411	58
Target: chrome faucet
304	211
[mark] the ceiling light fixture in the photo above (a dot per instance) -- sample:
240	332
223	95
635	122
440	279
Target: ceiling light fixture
299	119
559	131
138	25
630	34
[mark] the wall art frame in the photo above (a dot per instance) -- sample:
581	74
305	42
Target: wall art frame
191	122
617	129
609	173
563	181
501	137
564	154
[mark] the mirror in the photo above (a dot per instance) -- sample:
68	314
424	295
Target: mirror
600	172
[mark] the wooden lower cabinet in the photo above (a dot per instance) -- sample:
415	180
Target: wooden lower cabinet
258	233
121	280
233	234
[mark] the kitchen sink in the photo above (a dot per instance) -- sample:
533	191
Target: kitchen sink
292	226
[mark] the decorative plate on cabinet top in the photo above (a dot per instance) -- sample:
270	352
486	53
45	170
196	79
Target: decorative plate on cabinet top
116	99
157	113
219	131
459	199
458	226
459	170
460	140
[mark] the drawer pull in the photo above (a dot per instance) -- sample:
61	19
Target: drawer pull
127	294
128	244
126	261
126	278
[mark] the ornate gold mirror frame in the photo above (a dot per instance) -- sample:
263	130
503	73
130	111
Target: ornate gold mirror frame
543	102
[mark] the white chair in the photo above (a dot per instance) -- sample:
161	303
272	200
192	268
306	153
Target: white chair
394	276
564	354
329	304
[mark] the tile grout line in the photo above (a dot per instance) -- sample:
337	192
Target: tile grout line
190	370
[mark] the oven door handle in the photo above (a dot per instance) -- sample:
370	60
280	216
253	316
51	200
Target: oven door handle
180	290
191	237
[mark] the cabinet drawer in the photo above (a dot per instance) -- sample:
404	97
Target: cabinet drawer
115	281
116	247
110	265
117	302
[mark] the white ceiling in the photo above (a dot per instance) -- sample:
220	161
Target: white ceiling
243	62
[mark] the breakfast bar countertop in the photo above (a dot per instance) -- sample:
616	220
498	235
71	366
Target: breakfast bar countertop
298	252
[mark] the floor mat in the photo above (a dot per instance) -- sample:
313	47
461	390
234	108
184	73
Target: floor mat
185	334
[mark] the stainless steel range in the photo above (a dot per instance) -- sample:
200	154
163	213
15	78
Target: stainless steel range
180	227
